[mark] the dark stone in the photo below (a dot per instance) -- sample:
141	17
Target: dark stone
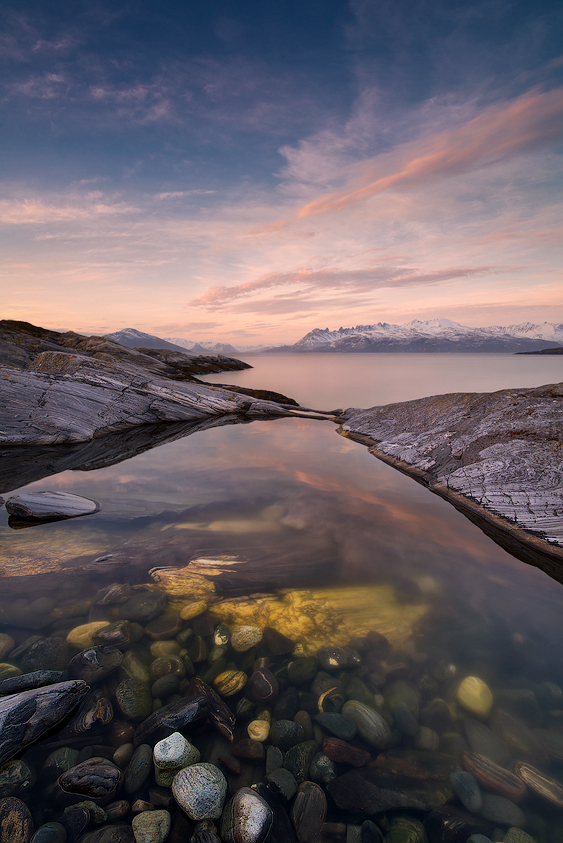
337	725
134	699
29	681
165	686
405	721
282	828
436	716
308	812
46	654
301	671
249	750
96	779
247	818
276	642
95	710
16	824
497	809
263	687
50	505
274	759
298	759
95	663
50	833
139	769
197	650
112	594
335	658
117	810
453	825
219	714
494	777
287	704
75	821
282	783
117	833
467	788
286	733
371	833
167	626
118	634
25	717
378	644
203	625
344	753
143	606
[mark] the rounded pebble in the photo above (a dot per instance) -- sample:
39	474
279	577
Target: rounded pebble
200	791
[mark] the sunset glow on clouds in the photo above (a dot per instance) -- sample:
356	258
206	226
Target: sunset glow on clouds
251	171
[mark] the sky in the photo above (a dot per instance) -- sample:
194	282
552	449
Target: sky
248	171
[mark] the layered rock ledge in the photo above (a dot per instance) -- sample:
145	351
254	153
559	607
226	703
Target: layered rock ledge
497	457
64	388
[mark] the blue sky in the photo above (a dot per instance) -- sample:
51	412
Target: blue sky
248	171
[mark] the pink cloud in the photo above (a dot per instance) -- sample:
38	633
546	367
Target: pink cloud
498	133
338	279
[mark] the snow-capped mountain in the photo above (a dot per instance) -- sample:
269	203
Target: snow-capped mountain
216	347
434	335
138	339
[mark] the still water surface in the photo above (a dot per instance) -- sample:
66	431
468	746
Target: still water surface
344	542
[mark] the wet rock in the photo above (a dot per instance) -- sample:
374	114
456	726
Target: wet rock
117	833
249	750
220	715
308	812
298	759
25	717
192	610
200	791
140	805
405	830
143	606
282	827
204	625
370	832
96	778
258	730
7	644
337	724
122	755
118	634
171	755
474	695
134	668
405	721
197	650
519	738
276	642
302	671
436	715
497	809
286	733
16	825
165	665
173	717
95	710
15	778
75	821
7	671
494	777
82	636
282	783
247	818
467	789
453	825
263	687
344	753
334	658
139	769
371	725
164	648
151	826
322	769
50	833
117	810
230	682
402	693
274	759
46	654
95	663
164	627
29	681
427	740
49	505
514	835
165	687
113	594
540	783
134	699
59	761
287	704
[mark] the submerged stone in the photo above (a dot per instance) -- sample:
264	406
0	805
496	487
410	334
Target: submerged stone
247	818
96	778
308	812
200	791
474	695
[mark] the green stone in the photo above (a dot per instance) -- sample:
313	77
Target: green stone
301	671
298	759
405	693
134	699
406	830
8	670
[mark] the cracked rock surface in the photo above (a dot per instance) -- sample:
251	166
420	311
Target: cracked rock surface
501	451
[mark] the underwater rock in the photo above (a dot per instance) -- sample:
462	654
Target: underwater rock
151	826
200	791
308	812
16	824
30	681
371	725
50	505
171	755
95	663
247	818
493	777
25	717
96	778
474	695
177	715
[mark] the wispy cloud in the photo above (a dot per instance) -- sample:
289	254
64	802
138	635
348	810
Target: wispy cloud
35	211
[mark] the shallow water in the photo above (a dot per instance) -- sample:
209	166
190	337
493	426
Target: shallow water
339	543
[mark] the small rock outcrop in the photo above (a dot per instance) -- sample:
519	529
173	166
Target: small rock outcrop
496	457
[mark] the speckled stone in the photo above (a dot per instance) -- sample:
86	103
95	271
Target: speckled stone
286	733
243	638
282	783
516	835
298	759
16	825
200	791
151	826
247	818
192	610
171	755
474	695
322	770
134	699
15	777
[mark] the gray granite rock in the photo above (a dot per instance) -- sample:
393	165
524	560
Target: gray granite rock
200	791
247	818
151	826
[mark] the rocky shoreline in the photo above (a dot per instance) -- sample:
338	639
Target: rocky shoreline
497	457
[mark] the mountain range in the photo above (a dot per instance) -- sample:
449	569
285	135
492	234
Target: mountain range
434	335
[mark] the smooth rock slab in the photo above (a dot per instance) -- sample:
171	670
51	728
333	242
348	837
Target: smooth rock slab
46	505
467	789
25	717
497	809
200	791
247	818
151	826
